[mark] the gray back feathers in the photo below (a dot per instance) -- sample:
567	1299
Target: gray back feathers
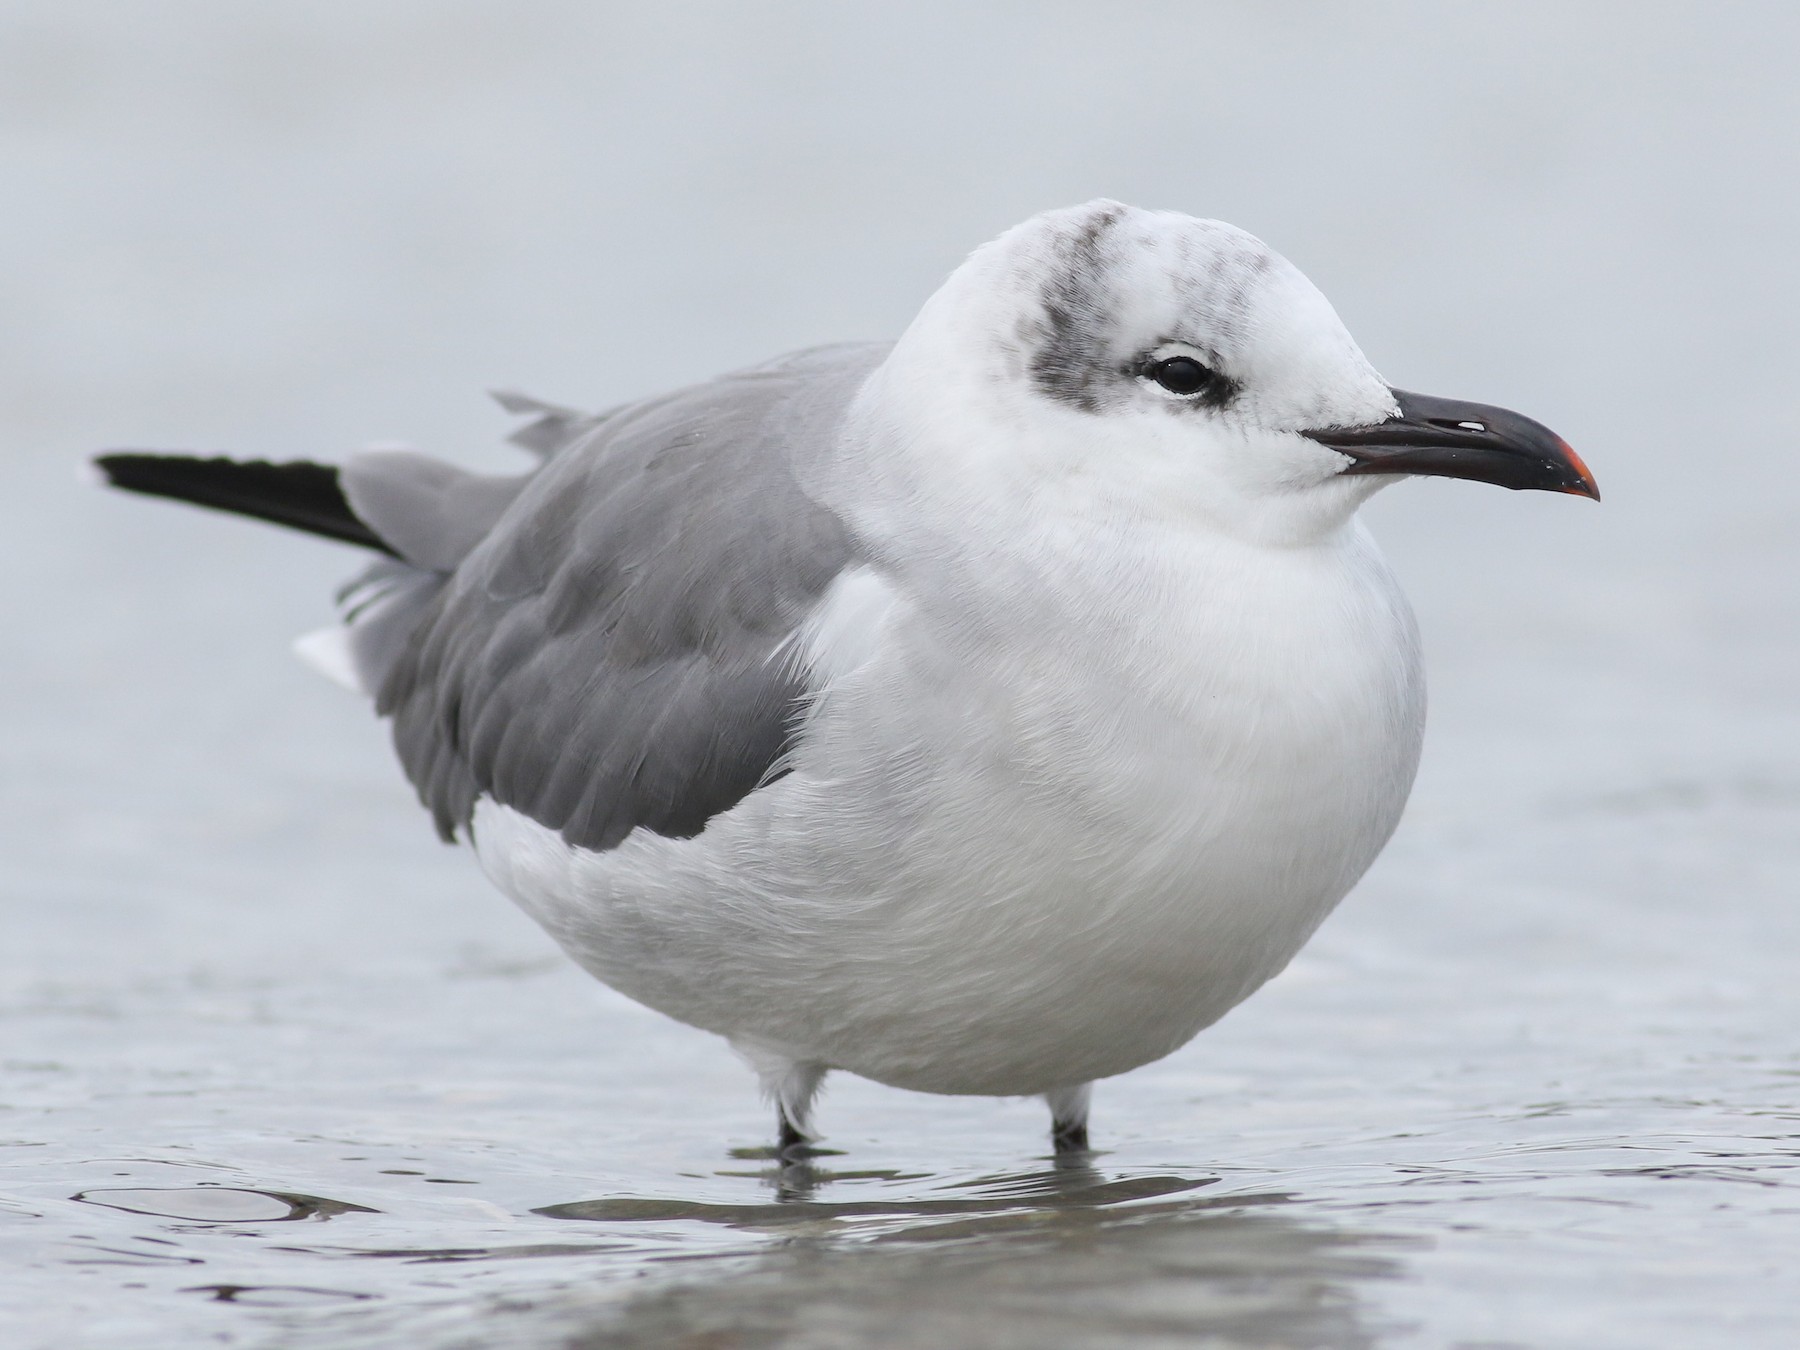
605	656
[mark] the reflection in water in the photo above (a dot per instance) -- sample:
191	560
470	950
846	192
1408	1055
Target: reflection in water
1063	1258
1068	1256
795	1185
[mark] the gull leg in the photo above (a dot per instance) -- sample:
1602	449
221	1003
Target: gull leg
789	1137
791	1084
1069	1118
794	1095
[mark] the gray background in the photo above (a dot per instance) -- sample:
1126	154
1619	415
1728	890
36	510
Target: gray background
290	230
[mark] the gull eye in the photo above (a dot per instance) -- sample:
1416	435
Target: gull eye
1181	375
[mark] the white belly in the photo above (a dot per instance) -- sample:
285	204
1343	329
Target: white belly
1013	863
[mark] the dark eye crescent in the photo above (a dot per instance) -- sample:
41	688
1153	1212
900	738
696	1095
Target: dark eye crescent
1181	375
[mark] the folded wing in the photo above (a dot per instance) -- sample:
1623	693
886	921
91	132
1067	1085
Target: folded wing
614	653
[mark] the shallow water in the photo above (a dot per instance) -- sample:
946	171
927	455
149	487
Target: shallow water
1514	1095
278	1070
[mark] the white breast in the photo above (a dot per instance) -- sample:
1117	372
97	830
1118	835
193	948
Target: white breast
1021	846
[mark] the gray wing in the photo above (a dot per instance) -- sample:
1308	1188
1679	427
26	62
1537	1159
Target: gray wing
606	657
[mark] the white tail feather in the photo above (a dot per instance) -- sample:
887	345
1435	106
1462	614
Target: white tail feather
327	650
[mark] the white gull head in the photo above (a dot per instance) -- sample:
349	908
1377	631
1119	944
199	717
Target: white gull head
1173	365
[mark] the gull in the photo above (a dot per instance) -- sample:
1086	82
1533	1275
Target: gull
987	712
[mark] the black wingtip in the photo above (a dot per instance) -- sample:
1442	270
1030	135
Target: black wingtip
299	494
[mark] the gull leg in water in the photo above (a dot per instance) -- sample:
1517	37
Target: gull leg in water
1069	1118
793	1086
